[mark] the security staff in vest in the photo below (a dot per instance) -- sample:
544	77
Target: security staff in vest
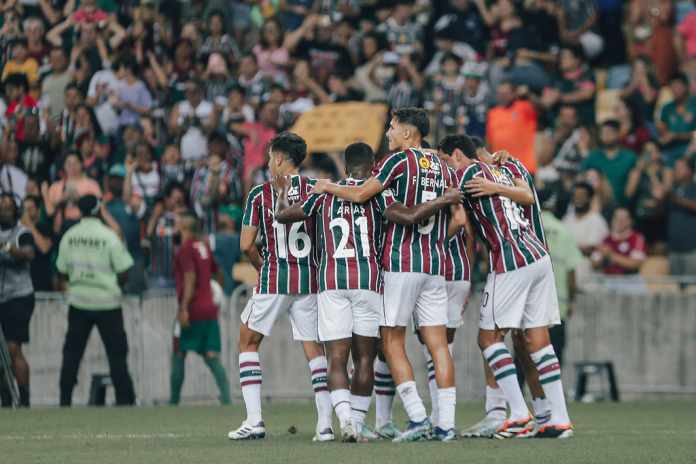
94	262
16	293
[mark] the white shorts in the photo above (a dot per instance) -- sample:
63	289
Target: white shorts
457	295
521	299
408	294
343	313
263	309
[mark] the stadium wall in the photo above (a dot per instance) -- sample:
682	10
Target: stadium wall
651	340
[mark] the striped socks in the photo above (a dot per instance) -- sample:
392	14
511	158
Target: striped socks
550	378
384	394
432	385
340	399
359	407
250	380
319	368
499	359
496	406
542	410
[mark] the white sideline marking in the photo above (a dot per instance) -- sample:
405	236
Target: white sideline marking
99	436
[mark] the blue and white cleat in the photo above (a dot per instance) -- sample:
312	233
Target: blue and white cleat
248	432
388	431
485	428
324	435
415	431
444	435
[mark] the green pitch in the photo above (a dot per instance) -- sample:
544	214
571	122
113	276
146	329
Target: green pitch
645	432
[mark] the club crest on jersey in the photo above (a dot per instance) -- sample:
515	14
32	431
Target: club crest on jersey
499	176
424	163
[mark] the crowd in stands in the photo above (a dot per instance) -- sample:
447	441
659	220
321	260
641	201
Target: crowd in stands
160	106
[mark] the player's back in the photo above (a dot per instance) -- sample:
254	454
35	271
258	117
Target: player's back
515	169
414	177
288	261
196	256
500	223
349	239
458	264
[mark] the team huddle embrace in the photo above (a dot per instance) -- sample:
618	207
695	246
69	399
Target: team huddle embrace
359	263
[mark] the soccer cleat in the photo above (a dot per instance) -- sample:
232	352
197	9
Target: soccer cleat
367	435
444	435
248	432
415	431
485	428
388	431
555	431
324	435
515	428
348	434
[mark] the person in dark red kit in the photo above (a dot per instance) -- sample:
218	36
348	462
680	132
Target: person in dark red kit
197	328
623	251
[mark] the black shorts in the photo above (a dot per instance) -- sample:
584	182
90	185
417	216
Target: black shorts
15	315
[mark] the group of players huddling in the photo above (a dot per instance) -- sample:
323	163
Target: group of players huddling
358	262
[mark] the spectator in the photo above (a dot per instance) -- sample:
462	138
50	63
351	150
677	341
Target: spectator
192	119
237	110
564	147
633	131
512	126
588	227
649	184
271	52
142	177
19	103
623	251
217	41
404	88
577	24
36	44
41	266
13	180
476	100
464	22
16	293
172	166
66	125
252	80
35	154
94	298
677	120
444	93
217	80
54	85
225	244
681	220
651	25
642	88
131	99
402	32
576	86
314	43
159	242
294	12
257	135
128	214
612	160
21	63
60	199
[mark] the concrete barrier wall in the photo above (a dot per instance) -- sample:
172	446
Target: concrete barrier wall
650	339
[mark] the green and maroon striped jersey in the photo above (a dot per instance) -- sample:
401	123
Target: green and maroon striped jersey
288	261
500	223
516	170
415	177
349	239
458	266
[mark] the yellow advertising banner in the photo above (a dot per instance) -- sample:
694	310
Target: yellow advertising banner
331	127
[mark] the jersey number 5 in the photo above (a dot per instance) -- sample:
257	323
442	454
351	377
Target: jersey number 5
427	227
298	242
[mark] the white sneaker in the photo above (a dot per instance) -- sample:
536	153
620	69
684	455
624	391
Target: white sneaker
348	434
324	435
485	428
248	432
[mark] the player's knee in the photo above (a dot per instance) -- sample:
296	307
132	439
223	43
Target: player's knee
249	340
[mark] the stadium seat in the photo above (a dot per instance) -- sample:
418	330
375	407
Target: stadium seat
585	370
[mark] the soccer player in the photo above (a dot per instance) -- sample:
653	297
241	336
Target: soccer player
287	283
520	294
349	297
414	263
197	320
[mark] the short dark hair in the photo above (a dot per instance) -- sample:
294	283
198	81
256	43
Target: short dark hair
416	117
72	86
681	77
586	186
461	142
359	155
478	142
17	80
195	220
291	145
171	186
89	205
129	62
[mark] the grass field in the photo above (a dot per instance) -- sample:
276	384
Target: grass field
642	432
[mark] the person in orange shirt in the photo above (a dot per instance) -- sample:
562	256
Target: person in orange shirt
21	62
511	125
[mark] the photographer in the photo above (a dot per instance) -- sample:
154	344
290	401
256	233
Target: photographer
192	120
16	292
